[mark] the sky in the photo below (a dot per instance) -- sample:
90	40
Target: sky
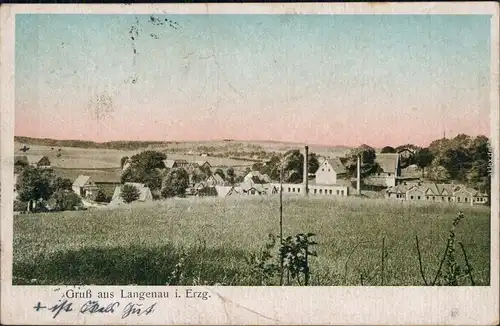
317	79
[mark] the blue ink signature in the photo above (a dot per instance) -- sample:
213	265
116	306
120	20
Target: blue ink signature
57	308
137	309
93	307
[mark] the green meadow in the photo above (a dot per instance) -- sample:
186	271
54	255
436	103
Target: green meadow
205	241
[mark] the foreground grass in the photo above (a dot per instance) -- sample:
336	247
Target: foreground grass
144	243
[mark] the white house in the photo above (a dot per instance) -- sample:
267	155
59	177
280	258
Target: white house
84	186
329	171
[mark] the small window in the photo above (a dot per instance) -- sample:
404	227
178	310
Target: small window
315	190
433	198
328	170
449	198
418	197
466	199
388	174
458	198
322	169
342	192
298	189
427	197
293	189
411	197
338	192
321	191
288	189
330	191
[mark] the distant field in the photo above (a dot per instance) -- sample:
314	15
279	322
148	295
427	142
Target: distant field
141	243
91	158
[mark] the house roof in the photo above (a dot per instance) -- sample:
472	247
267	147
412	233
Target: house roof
81	181
144	192
436	188
98	176
252	174
388	162
336	165
266	178
222	191
169	163
217	178
34	159
21	159
200	163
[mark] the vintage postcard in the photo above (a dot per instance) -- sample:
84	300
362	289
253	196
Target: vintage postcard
250	164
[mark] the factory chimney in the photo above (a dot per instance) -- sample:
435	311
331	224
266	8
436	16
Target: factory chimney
306	174
358	179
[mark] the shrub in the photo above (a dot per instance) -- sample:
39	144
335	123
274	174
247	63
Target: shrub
65	201
20	206
129	193
101	197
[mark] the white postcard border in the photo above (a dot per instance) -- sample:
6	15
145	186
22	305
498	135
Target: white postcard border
257	305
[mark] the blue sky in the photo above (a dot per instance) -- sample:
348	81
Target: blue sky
325	79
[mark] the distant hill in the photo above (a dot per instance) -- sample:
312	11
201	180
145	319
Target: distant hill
208	145
122	145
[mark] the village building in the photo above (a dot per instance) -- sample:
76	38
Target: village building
172	164
436	192
38	161
405	153
145	194
84	186
203	164
257	177
215	180
127	164
88	183
329	171
389	172
256	186
315	189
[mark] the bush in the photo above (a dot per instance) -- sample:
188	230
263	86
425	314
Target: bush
129	193
101	197
65	201
20	206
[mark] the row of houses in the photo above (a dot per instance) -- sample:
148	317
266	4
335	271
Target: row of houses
436	192
177	163
38	161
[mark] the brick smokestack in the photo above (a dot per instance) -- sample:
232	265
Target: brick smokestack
306	172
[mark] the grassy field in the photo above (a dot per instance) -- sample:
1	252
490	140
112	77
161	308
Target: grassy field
98	158
143	243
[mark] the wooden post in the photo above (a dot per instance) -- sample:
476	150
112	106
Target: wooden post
358	179
281	222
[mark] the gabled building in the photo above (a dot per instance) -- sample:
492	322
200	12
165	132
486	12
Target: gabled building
389	172
330	171
145	194
38	161
203	164
215	180
437	193
84	186
172	164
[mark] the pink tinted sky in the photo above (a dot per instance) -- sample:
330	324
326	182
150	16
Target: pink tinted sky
318	79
